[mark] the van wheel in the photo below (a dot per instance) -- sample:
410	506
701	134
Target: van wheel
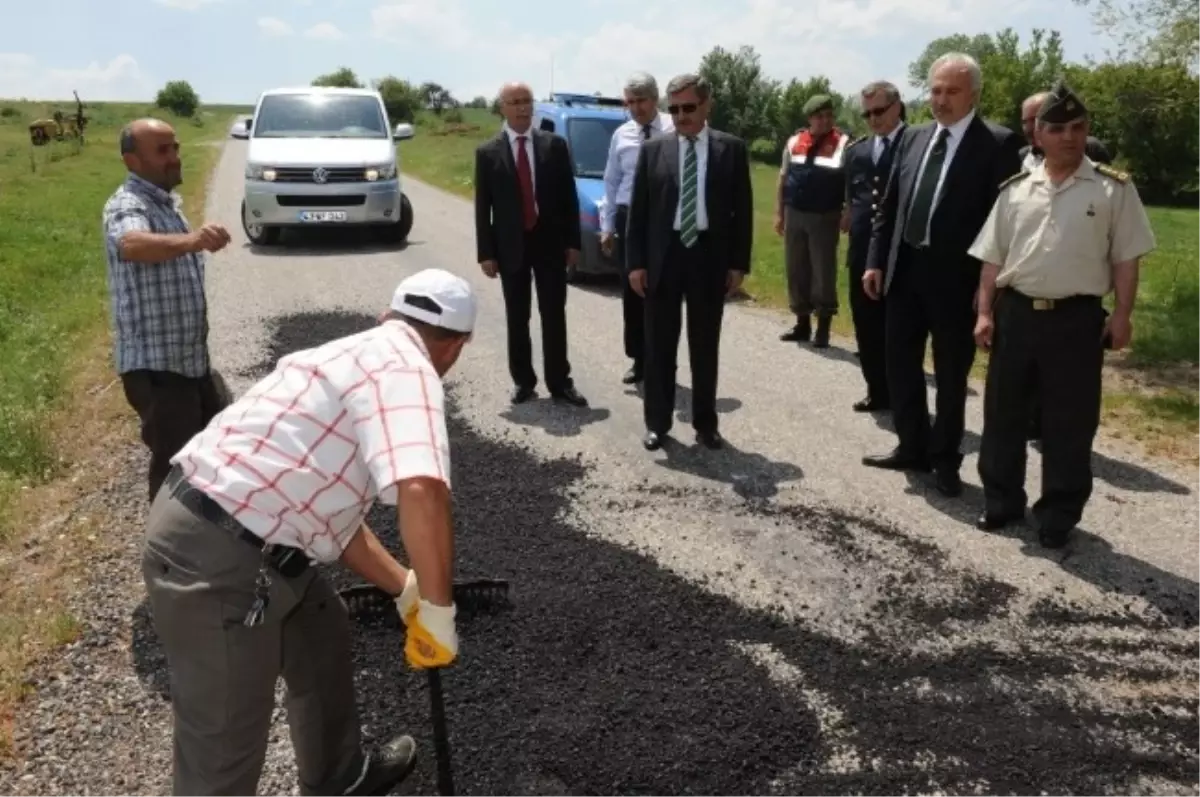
398	232
258	234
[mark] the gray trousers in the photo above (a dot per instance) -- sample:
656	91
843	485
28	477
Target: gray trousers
200	580
810	250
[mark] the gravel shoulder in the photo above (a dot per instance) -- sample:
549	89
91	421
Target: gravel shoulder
773	618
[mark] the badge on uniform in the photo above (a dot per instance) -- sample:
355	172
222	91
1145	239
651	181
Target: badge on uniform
1091	211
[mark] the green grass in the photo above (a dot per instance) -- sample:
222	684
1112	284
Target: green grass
1166	317
55	361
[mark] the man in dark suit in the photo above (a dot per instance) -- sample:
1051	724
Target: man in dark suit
944	181
868	163
688	238
527	229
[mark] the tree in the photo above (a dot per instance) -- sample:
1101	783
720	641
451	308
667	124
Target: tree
1159	31
743	99
478	102
342	78
400	98
436	97
978	47
179	97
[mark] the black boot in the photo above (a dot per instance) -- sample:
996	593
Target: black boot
799	333
386	768
821	340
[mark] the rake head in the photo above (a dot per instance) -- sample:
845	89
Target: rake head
369	602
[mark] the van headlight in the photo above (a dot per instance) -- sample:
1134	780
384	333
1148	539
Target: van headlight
257	172
383	171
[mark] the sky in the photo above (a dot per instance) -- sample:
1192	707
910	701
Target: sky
230	50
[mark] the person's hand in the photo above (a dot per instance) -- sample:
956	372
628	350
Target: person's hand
733	281
606	243
637	281
408	600
491	268
872	282
844	223
210	238
431	641
1119	328
984	327
779	224
572	257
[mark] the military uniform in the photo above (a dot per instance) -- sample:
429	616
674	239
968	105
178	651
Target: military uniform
812	199
868	162
1055	246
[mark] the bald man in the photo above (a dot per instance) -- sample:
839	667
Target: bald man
527	230
156	292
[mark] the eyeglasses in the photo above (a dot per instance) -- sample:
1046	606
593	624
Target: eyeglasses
868	113
687	107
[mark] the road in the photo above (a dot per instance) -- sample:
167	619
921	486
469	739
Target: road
770	618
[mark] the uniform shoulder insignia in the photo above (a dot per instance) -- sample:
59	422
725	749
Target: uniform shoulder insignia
1109	171
1021	175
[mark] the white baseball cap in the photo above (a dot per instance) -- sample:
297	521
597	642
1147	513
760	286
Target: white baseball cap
438	298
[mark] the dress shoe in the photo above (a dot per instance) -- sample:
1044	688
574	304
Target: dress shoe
711	439
870	404
821	339
653	441
570	395
990	521
633	375
948	482
521	394
1053	538
799	333
897	461
388	767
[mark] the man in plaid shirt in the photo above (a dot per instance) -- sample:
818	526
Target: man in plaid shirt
156	287
285	476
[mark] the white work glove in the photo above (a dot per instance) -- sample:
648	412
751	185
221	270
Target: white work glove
432	640
406	603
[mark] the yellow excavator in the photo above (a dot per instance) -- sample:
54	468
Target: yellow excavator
60	127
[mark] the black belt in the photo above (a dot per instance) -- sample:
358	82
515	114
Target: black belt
1051	304
287	560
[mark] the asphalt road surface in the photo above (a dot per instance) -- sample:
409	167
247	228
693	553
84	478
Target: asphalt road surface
770	618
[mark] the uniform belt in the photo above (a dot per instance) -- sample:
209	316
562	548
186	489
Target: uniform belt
1051	304
289	561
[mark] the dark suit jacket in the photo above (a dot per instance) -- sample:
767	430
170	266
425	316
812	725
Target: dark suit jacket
865	183
499	218
727	195
987	156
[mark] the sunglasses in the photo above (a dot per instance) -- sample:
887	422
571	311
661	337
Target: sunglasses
687	107
867	114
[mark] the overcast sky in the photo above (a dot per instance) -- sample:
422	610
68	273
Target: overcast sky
125	50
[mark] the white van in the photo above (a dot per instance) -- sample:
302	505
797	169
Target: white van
323	157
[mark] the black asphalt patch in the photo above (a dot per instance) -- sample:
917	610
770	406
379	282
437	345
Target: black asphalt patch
613	675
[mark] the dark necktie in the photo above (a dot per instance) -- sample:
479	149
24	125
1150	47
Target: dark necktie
646	132
525	175
922	204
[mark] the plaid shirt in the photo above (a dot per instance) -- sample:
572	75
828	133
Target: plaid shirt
158	310
301	457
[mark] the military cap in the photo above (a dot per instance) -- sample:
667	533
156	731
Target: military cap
816	104
1061	105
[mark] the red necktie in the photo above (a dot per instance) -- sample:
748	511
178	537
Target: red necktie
525	174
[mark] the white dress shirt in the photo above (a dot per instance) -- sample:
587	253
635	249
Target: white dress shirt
622	160
512	142
881	143
957	131
701	169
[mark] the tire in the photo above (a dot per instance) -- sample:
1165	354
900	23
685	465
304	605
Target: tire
398	232
258	234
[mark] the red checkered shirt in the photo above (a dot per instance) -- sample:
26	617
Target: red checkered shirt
301	457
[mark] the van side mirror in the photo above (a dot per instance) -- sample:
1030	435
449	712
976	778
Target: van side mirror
403	131
249	123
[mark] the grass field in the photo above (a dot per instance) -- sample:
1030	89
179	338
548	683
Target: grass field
1152	395
58	403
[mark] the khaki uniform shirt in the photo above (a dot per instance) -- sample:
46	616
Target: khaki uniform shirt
1051	241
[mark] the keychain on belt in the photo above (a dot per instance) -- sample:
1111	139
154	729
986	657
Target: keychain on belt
262	595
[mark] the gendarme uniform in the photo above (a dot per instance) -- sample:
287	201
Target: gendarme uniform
812	197
1056	246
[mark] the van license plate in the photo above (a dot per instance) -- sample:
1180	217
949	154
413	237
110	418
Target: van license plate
322	215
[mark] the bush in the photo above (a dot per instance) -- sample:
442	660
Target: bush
179	97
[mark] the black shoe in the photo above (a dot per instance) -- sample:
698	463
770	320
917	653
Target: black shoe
521	394
821	339
711	439
1053	538
653	441
388	767
990	521
870	404
949	483
897	461
799	333
570	395
633	375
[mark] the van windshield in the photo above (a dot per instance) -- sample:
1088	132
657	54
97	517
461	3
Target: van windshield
588	141
320	116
